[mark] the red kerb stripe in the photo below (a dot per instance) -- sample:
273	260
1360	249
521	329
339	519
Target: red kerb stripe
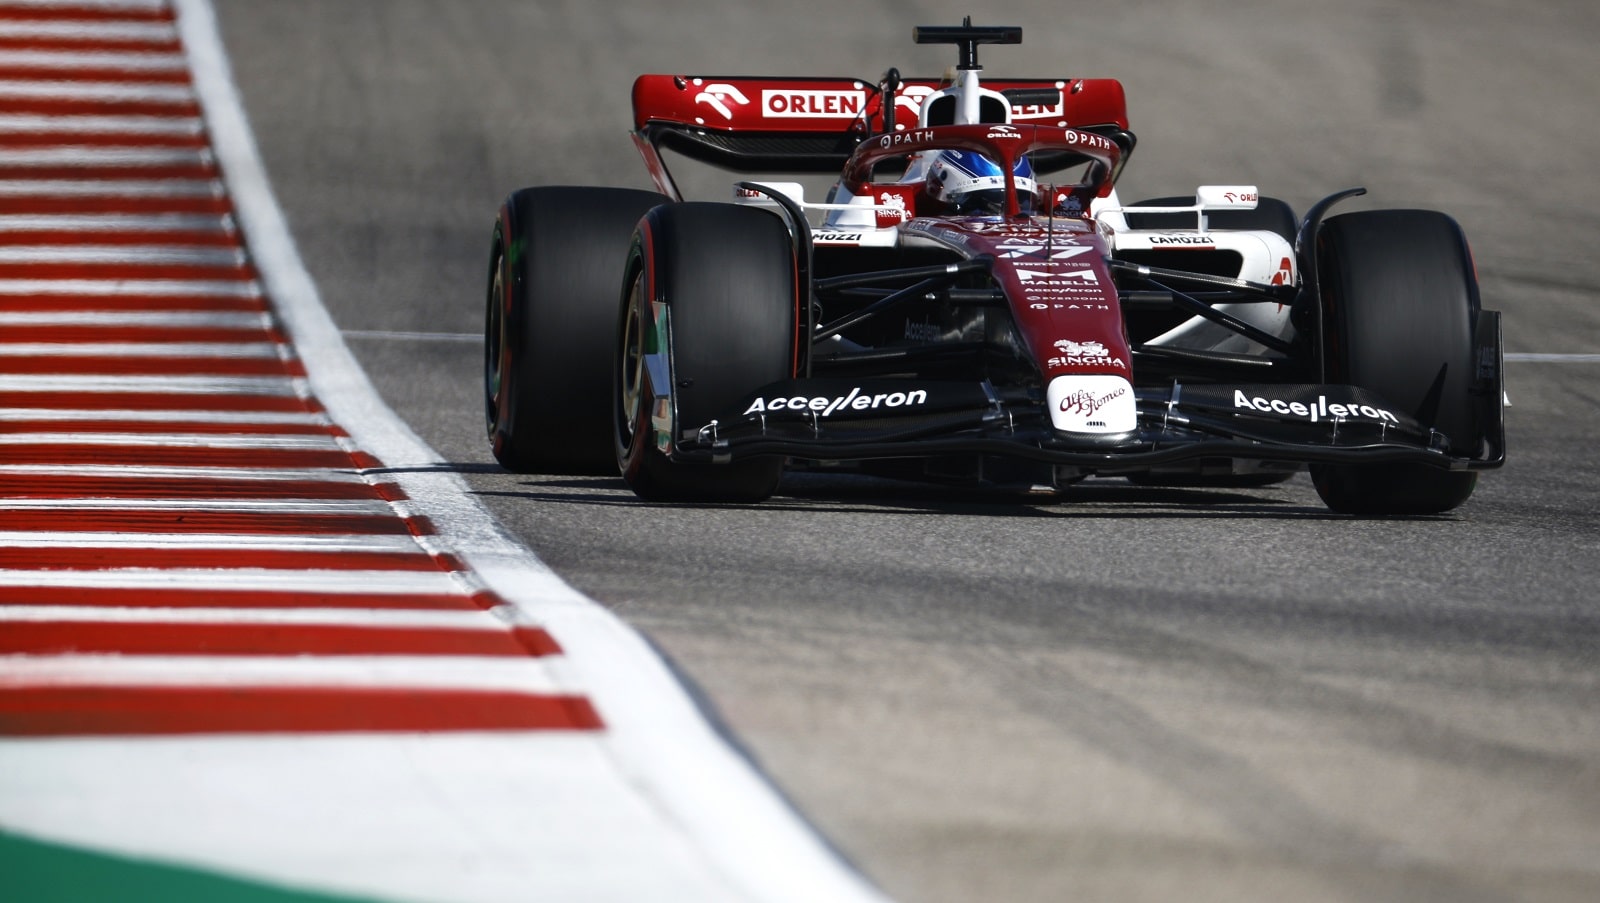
84	711
85	12
96	139
140	638
105	73
164	521
88	43
66	486
175	456
28	332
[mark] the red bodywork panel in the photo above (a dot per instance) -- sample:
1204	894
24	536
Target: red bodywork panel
744	103
1063	297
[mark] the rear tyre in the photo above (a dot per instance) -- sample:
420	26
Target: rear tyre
555	265
711	306
1400	302
1269	215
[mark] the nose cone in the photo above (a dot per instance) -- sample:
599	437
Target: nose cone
1092	404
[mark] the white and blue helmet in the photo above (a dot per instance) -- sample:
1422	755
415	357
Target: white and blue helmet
969	182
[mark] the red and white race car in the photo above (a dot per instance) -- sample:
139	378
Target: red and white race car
972	301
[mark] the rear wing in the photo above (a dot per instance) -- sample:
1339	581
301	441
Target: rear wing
811	125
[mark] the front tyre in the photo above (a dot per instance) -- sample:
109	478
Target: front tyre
709	315
1400	303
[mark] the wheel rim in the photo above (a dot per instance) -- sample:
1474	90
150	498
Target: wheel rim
631	379
494	338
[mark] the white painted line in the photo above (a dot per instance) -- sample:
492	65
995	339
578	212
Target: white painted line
445	620
753	846
284	418
110	188
232	319
247	542
244	579
66	350
522	674
105	156
72	59
93	90
114	287
1533	357
151	32
174	385
31	123
164	254
387	335
376	507
172	440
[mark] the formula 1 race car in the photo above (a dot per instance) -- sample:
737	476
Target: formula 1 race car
974	303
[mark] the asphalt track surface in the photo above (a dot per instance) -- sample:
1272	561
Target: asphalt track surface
1125	693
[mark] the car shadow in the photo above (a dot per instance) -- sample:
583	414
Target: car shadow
1108	499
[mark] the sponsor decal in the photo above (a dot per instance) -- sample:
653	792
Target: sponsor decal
1090	403
812	104
1240	197
1004	131
911	98
915	136
1084	354
898	213
1285	274
1085	403
922	332
1320	410
1039	111
1183	240
1040	304
1087	139
825	237
1082	277
1036	231
1068	205
1023	247
722	98
823	406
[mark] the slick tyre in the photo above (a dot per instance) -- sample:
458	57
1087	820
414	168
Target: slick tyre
711	308
1400	301
556	263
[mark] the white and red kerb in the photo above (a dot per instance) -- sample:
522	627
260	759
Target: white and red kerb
188	544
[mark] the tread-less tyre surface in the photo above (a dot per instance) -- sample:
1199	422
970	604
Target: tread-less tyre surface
1400	301
555	270
712	303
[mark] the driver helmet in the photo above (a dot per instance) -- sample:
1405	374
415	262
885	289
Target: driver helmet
968	182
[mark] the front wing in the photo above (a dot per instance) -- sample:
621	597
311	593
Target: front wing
900	417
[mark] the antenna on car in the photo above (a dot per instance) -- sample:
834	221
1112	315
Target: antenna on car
967	37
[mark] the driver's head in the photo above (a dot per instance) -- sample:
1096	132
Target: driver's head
968	182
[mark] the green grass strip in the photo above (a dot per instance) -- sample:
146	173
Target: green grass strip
32	871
